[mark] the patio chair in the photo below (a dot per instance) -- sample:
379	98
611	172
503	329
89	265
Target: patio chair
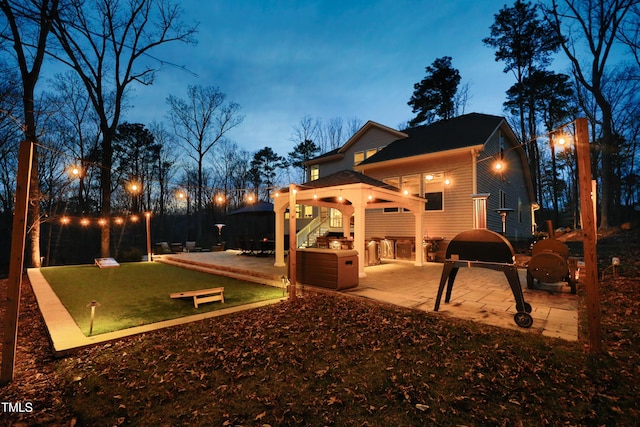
163	248
246	246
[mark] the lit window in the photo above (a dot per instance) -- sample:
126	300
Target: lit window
308	211
433	187
358	157
411	184
370	152
314	172
503	199
394	182
335	220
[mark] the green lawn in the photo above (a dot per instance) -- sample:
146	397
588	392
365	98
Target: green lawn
138	293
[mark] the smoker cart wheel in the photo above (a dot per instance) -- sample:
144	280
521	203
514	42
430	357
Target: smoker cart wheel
524	320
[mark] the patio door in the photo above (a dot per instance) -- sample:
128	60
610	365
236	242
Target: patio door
335	218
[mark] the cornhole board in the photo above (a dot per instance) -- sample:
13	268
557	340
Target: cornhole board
106	262
201	295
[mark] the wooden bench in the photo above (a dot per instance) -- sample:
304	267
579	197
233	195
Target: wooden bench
202	295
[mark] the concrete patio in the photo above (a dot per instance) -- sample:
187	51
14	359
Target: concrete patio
478	294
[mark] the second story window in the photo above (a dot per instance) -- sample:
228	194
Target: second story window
314	172
358	157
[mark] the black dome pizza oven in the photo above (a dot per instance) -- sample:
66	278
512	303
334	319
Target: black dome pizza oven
485	249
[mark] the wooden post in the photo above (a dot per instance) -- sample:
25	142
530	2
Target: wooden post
16	262
589	235
147	216
292	242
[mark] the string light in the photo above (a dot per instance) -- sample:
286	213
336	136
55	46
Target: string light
84	221
74	171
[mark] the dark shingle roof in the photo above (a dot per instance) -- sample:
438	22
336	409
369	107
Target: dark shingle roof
345	177
459	132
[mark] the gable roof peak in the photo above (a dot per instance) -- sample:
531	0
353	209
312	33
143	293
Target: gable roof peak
365	128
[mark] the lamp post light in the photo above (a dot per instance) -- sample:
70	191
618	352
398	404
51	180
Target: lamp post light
147	216
183	195
503	217
135	189
92	305
219	227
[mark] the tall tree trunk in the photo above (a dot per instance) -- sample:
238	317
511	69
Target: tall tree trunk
105	186
34	193
606	205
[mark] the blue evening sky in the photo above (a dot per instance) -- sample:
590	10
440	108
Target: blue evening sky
282	60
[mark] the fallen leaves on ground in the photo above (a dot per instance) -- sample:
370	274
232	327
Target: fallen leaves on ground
335	360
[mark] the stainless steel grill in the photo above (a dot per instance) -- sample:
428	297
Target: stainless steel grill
485	249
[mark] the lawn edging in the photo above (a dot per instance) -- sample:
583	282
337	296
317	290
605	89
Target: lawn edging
66	337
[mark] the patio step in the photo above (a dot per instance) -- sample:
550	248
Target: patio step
223	270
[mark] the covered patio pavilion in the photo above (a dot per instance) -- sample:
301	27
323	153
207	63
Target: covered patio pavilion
352	193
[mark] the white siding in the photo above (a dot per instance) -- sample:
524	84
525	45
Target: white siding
373	138
456	215
512	182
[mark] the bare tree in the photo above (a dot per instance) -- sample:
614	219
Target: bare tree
108	43
334	131
29	24
630	34
231	172
166	161
326	135
199	123
461	99
353	125
306	129
593	25
79	126
10	133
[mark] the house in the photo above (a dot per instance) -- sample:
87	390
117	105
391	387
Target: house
431	182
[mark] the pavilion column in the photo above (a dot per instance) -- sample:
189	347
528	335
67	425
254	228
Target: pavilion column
280	209
419	235
346	223
358	234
